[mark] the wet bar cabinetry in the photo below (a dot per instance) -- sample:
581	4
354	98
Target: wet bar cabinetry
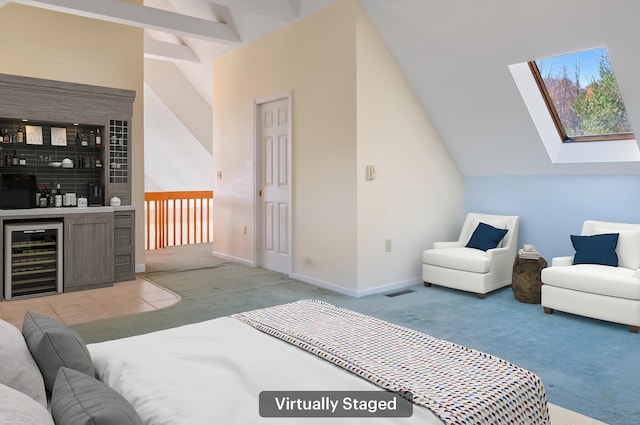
97	243
77	111
88	254
48	121
124	245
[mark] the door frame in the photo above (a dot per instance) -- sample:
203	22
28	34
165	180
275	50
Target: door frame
257	183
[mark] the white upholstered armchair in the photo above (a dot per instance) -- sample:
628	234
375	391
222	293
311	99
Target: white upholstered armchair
480	269
602	279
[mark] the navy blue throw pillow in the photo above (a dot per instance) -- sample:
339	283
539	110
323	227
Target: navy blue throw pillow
486	237
596	249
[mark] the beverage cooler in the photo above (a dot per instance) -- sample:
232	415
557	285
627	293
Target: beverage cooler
32	259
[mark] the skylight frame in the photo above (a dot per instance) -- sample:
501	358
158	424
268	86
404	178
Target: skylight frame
557	121
566	153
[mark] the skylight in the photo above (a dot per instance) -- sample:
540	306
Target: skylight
582	94
587	83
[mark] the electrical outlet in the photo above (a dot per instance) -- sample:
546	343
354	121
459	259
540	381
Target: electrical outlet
244	229
387	245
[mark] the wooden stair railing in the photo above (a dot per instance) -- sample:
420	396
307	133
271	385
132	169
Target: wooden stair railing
178	218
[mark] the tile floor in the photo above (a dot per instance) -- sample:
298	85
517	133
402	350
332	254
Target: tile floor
129	297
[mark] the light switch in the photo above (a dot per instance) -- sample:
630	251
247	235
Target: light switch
370	173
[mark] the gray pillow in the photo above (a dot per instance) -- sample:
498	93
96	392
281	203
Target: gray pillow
18	370
18	408
53	345
79	399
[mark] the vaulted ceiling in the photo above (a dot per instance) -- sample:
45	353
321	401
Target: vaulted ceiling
454	53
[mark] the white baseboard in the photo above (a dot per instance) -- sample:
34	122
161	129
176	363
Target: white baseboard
389	287
325	285
394	286
234	259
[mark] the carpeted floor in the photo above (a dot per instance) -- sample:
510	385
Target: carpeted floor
588	366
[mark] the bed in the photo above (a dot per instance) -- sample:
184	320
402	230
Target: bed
216	371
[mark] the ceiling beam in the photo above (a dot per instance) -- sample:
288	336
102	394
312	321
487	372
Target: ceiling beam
161	50
126	13
282	10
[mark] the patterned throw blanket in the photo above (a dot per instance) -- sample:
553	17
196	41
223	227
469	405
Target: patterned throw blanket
458	384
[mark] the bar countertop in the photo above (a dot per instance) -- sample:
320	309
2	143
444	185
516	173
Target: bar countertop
57	212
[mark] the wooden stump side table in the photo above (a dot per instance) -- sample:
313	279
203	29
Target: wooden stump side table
525	282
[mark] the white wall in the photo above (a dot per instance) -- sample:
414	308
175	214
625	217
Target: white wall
416	196
350	108
313	58
174	158
175	85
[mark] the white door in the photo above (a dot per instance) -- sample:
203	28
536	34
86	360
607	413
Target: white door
275	182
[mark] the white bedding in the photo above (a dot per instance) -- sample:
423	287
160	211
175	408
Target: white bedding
212	372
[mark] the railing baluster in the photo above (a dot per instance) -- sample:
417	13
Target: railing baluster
173	209
173	220
201	220
163	227
158	221
181	222
148	222
188	222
